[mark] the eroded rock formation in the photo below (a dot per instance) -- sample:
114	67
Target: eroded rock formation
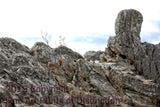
60	77
127	45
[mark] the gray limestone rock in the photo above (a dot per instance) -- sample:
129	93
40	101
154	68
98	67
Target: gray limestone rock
127	45
93	55
42	52
46	54
47	77
130	86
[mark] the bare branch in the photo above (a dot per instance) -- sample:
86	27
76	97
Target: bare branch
46	37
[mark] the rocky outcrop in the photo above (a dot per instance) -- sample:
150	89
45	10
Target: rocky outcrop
60	77
27	80
127	45
46	54
93	55
134	89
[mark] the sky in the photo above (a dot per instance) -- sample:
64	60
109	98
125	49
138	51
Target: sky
85	24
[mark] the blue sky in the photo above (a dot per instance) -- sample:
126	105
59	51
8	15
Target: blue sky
85	24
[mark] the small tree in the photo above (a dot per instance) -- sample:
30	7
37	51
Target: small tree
46	37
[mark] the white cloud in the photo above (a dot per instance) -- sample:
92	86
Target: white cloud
70	18
156	42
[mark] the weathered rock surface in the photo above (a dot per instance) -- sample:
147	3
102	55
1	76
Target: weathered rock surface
134	90
126	44
26	78
93	55
46	54
47	77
